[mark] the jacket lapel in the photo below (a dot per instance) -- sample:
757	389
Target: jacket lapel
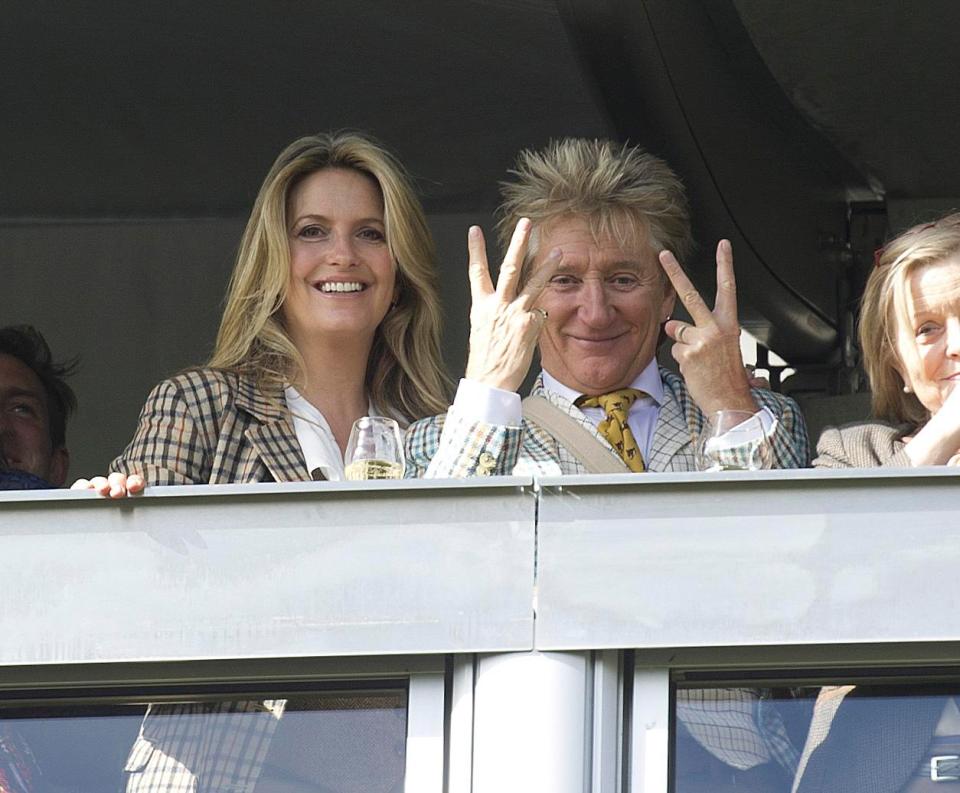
673	437
272	435
670	438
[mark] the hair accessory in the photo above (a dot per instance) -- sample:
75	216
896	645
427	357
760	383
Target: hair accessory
878	253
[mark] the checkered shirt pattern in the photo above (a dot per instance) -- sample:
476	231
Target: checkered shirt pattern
453	445
206	426
202	747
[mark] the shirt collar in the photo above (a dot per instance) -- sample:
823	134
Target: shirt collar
648	381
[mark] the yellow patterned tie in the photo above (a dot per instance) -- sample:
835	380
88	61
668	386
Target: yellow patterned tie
614	427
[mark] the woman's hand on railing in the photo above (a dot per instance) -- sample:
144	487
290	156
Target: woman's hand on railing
115	485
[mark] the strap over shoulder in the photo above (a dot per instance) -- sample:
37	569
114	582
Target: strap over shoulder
594	456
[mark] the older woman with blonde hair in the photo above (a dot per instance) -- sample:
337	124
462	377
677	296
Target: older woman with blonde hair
910	339
331	314
860	739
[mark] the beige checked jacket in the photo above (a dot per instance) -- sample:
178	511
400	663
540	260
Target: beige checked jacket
206	426
863	445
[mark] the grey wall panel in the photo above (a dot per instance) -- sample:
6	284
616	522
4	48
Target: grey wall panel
768	558
250	571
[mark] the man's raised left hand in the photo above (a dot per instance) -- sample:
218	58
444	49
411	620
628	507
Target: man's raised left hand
709	350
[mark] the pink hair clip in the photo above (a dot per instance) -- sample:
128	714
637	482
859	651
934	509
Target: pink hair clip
878	253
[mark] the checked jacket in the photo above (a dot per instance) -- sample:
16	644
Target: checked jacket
453	446
207	426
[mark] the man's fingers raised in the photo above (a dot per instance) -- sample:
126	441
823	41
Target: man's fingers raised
726	305
685	289
510	269
480	282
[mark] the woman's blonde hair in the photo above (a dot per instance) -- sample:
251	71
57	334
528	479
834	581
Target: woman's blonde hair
623	191
404	371
885	309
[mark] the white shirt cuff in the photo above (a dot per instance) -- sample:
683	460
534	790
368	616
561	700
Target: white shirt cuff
476	401
767	419
739	435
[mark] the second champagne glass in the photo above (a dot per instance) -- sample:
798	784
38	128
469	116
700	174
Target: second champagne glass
374	450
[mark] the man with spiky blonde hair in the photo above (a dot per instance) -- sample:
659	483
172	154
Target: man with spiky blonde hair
592	230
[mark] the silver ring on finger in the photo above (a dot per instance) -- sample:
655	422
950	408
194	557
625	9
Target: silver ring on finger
680	331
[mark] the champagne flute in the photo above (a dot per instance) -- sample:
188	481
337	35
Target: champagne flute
734	440
374	450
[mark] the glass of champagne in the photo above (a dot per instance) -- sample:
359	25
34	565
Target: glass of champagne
734	440
374	450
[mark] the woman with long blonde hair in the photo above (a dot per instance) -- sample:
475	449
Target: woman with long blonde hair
331	314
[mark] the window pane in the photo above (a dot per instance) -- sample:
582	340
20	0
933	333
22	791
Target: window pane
842	737
325	742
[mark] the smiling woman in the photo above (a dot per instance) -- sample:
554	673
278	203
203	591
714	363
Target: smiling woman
910	336
331	314
342	275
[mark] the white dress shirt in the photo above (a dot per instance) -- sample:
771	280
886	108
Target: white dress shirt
320	450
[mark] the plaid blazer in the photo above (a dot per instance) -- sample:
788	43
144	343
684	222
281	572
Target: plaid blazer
206	426
451	446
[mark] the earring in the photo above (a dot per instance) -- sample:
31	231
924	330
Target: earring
907	389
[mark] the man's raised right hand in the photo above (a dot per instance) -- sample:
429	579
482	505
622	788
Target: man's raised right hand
504	324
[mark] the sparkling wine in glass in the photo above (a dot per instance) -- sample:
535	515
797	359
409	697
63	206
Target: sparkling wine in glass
374	450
